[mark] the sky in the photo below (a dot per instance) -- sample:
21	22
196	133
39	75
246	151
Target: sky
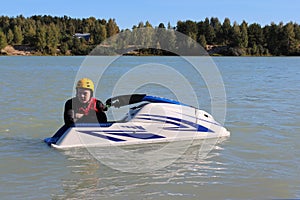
131	12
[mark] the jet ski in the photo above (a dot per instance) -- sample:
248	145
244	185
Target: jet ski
153	120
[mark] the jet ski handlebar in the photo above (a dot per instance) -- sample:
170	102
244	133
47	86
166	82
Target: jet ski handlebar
124	100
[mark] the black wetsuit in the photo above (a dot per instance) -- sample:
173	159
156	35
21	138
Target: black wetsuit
92	112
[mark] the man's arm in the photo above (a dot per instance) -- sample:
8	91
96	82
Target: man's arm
101	116
69	114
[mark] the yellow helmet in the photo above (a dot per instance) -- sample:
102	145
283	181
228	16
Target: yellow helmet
85	83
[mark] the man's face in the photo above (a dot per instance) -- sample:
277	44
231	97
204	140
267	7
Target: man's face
83	95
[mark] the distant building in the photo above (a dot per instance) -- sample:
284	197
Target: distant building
86	36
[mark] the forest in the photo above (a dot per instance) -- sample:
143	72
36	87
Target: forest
48	35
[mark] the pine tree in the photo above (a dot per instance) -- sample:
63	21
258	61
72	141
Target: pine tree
191	29
161	25
216	25
188	28
134	36
226	31
141	25
10	36
52	36
161	33
171	40
30	33
64	48
255	35
3	41
211	35
18	36
272	35
244	35
289	42
150	41
148	25
209	32
112	28
297	32
202	41
41	40
100	34
181	27
297	37
169	26
236	40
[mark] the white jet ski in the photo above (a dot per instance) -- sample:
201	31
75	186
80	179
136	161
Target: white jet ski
154	120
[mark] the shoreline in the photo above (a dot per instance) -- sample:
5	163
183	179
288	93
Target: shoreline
23	50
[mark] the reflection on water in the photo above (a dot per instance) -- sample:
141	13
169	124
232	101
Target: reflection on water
91	179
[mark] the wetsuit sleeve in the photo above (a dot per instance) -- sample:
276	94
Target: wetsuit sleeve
100	106
69	113
101	116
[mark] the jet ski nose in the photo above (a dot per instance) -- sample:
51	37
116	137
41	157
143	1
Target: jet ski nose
225	132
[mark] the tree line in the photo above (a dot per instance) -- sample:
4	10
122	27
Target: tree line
245	39
49	35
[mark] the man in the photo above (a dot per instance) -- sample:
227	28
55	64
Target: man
84	108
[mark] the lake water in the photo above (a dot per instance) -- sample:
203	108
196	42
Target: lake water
261	159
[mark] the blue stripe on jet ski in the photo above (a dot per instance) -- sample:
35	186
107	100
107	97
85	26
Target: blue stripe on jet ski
130	134
103	136
199	127
122	131
144	136
215	123
161	120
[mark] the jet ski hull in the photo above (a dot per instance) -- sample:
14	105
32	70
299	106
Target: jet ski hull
149	123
